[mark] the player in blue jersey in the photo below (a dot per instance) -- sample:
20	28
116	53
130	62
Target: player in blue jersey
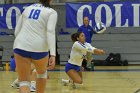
34	37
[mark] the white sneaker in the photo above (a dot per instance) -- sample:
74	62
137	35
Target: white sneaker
15	85
32	88
74	86
65	82
78	85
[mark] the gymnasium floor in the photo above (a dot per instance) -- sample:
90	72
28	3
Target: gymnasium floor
112	79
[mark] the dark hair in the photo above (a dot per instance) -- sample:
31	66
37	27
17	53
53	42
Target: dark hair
45	3
12	56
75	36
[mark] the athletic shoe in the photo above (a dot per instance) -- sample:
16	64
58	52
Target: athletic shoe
32	88
15	85
73	86
65	82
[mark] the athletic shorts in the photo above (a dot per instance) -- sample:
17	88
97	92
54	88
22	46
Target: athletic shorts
71	66
28	54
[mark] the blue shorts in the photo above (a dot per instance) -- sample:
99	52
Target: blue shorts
28	54
71	66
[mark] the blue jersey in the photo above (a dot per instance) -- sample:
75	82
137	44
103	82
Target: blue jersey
12	64
88	31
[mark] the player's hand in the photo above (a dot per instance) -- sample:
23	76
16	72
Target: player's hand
51	62
99	51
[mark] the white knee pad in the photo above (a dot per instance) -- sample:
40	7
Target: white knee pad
42	75
24	83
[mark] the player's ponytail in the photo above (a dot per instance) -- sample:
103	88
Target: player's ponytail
45	3
75	36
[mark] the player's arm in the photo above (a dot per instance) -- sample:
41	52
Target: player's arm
95	50
51	38
51	33
18	26
82	47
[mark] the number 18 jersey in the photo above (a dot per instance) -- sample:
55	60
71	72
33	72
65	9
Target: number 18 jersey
36	28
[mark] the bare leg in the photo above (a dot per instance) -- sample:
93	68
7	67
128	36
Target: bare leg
23	66
80	73
75	76
41	67
33	78
33	73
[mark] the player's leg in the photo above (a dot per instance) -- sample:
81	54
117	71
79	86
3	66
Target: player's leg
15	83
80	74
23	66
76	85
33	78
72	72
41	68
33	72
74	76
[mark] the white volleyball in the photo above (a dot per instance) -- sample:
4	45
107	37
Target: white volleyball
100	27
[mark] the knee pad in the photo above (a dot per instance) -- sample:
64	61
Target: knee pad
24	83
42	75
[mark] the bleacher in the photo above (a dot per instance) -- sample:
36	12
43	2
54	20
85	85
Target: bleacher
6	42
115	40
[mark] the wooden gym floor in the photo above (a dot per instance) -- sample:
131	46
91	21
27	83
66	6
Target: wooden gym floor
112	79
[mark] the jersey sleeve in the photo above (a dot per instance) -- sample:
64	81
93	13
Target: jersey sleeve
51	24
91	47
87	48
18	26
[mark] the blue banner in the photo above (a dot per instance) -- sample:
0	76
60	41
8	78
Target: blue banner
112	14
9	15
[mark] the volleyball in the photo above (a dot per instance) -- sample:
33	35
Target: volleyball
100	27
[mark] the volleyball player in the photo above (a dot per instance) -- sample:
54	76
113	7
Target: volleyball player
35	36
78	53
